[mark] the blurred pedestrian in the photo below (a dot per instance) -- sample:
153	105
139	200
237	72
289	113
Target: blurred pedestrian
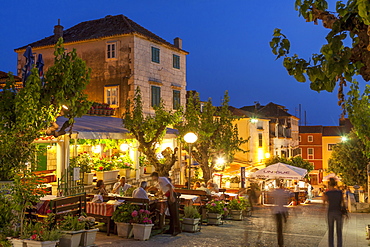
296	193
334	198
280	198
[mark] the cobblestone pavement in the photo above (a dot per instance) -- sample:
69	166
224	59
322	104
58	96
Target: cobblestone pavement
306	227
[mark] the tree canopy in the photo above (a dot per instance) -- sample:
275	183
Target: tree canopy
30	112
217	135
149	131
345	55
349	161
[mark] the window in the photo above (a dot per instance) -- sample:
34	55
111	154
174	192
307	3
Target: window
299	138
111	50
156	96
260	140
310	138
176	99
330	147
260	125
155	55
310	153
111	95
176	61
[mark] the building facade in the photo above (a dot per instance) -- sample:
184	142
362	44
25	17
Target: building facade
122	56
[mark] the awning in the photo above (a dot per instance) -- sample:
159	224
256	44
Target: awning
96	127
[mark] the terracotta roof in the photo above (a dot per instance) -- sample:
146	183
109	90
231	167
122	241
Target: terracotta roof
269	110
104	27
333	131
4	76
311	129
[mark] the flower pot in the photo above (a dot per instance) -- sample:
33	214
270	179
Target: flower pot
214	218
88	237
190	225
71	238
107	175
33	243
149	169
234	185
236	214
123	229
142	231
16	242
88	178
125	172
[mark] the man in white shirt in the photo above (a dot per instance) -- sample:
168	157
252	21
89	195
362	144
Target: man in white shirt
140	192
167	188
121	186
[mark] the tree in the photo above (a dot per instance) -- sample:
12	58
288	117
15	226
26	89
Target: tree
297	161
346	54
217	136
349	161
28	113
150	130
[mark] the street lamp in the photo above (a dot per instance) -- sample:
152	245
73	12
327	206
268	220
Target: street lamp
190	138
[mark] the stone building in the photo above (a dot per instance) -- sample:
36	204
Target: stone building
122	55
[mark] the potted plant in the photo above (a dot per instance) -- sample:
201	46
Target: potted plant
124	163
142	224
215	209
190	221
83	161
89	235
105	169
236	207
234	182
43	234
72	229
123	218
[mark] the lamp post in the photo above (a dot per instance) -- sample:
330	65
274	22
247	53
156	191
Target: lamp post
190	138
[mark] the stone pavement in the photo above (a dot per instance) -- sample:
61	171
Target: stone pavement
306	227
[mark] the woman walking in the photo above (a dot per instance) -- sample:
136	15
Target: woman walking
334	197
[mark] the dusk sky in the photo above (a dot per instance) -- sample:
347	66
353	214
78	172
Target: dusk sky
228	42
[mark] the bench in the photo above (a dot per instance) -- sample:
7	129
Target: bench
74	205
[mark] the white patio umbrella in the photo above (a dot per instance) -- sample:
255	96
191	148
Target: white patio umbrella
331	175
280	170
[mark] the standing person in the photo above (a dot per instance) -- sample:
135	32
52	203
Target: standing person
296	193
309	191
167	188
334	198
280	197
121	186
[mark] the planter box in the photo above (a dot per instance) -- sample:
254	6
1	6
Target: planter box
234	185
88	178
124	229
236	214
18	242
107	175
190	225
125	173
88	237
142	231
33	243
71	238
214	218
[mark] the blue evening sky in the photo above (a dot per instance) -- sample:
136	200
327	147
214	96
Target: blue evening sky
228	41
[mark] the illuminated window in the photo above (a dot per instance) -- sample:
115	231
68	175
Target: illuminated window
111	95
176	61
111	50
330	147
310	153
155	55
260	142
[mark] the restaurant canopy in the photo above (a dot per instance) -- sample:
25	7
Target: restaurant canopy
331	175
280	170
97	127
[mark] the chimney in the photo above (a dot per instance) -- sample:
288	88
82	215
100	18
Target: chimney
177	42
58	31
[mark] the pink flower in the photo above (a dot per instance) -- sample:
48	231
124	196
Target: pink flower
134	213
213	204
101	168
147	211
141	211
34	236
49	211
225	209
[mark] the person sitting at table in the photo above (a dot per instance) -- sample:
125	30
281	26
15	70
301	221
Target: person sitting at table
196	185
100	188
121	186
168	189
141	192
213	187
204	188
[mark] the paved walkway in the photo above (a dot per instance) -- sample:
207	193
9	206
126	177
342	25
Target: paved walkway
306	227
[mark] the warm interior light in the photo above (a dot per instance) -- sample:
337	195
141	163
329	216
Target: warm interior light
96	149
220	160
260	154
65	107
254	120
124	147
267	155
190	137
